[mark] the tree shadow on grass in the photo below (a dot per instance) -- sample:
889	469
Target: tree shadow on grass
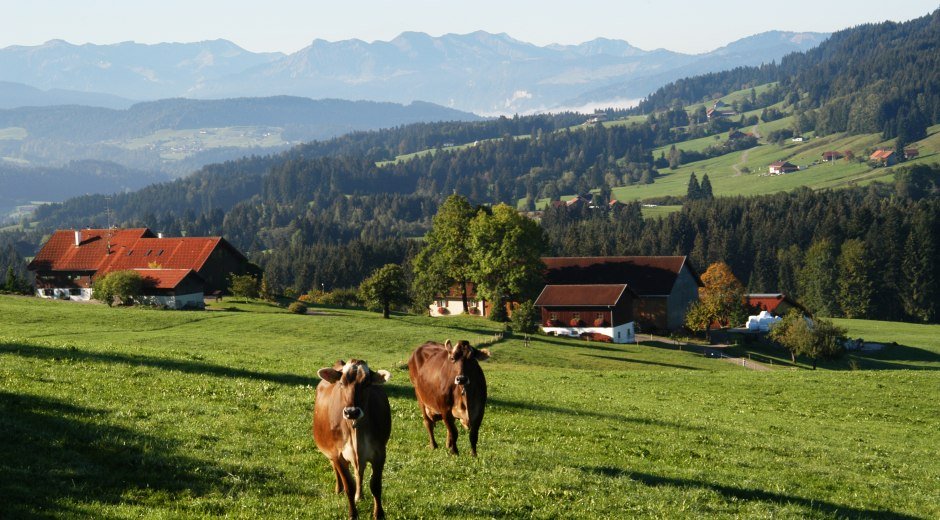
733	493
892	357
579	343
547	408
185	366
55	454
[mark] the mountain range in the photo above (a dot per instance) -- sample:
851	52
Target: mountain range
480	72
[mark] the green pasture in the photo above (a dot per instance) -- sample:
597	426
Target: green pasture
658	211
130	413
727	181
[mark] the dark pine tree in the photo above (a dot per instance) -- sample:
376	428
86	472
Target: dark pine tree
694	191
705	189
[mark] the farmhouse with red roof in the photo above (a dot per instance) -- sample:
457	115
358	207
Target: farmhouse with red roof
884	157
177	271
660	288
600	311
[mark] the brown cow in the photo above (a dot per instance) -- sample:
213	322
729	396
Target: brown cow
352	422
449	383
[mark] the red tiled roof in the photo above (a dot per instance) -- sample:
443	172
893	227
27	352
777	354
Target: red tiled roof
770	302
129	249
165	278
168	253
781	164
646	275
606	295
61	254
881	154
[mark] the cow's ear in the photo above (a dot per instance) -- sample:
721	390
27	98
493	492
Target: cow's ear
380	377
448	346
481	354
330	375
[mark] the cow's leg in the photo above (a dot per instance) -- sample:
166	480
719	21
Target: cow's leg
474	433
341	467
451	433
375	485
429	426
339	481
360	470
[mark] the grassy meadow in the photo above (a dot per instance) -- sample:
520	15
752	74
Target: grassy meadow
128	413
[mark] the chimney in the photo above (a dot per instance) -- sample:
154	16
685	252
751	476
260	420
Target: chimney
159	235
78	238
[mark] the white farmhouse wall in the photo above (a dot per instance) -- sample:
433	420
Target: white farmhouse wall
82	295
453	307
620	334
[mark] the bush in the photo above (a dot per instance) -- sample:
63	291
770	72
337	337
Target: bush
524	318
244	286
297	308
342	298
123	285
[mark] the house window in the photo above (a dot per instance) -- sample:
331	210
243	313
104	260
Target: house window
148	252
576	316
553	315
471	303
600	315
160	252
75	292
129	253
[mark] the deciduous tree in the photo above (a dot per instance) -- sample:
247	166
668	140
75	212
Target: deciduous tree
819	340
721	301
386	287
445	258
243	286
506	249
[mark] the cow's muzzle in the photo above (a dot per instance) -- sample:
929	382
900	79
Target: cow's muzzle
352	413
461	380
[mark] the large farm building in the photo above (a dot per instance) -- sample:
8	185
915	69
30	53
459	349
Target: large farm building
177	272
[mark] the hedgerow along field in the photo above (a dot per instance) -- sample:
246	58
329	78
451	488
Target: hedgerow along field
125	412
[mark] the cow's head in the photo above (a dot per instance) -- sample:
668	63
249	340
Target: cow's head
351	380
461	353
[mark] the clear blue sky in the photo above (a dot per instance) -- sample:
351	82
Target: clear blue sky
281	25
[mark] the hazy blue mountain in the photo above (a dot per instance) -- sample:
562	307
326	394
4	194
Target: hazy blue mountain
479	72
13	95
753	50
128	69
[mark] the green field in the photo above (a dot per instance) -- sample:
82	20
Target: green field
119	413
728	181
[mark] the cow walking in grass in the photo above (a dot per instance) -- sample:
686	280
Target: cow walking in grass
352	422
449	384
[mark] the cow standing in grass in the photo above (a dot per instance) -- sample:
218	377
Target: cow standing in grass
352	422
449	383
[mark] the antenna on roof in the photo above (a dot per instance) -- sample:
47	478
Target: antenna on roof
107	200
